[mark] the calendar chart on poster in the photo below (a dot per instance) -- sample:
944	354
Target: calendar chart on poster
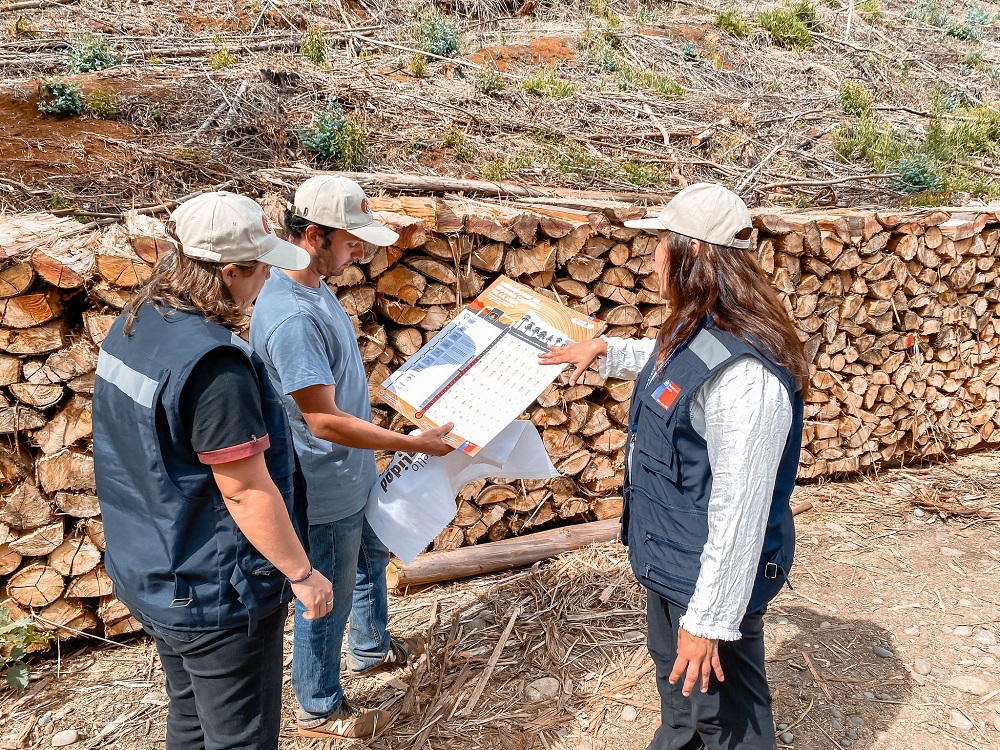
481	371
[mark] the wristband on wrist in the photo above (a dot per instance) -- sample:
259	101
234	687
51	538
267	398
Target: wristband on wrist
303	578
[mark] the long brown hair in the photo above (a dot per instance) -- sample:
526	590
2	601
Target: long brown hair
729	286
189	285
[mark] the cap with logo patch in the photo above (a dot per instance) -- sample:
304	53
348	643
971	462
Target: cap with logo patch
228	228
340	203
704	211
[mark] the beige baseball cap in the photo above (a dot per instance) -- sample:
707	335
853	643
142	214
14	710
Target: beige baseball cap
228	228
704	211
340	203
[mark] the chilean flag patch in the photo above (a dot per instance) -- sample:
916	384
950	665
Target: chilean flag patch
666	394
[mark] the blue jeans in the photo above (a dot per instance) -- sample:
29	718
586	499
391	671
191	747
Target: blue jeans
352	557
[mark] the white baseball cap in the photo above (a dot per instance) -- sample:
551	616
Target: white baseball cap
704	211
228	228
340	203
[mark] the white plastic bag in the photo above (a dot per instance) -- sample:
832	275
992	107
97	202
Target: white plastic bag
414	499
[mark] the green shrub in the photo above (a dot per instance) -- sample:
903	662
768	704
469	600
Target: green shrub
786	30
630	80
944	100
917	173
855	99
102	104
455	139
933	166
314	46
221	58
963	31
548	83
56	97
979	17
334	137
22	28
805	12
643	175
495	171
15	638
433	33
870	10
417	67
732	23
489	81
89	52
689	50
932	13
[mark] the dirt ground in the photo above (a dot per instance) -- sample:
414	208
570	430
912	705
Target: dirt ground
888	640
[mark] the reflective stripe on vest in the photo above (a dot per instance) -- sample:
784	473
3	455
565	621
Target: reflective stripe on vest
132	383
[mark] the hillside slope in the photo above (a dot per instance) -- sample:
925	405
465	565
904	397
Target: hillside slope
798	103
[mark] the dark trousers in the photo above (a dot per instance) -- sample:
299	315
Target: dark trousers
732	715
224	685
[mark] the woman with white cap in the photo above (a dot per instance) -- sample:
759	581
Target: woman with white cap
195	474
714	437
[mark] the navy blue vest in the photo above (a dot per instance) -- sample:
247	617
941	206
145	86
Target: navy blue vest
174	551
668	478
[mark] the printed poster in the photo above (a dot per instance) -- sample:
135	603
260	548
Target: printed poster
481	370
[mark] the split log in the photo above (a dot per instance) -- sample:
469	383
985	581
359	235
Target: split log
71	424
411	230
29	310
26	508
35	585
65	618
16	280
33	341
66	470
66	264
75	556
38	396
39	542
10	370
94	583
117	263
78	505
112	296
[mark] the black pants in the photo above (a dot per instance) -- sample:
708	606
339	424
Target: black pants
224	685
732	715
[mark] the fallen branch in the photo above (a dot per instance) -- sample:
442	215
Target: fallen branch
433	184
28	4
219	111
823	183
434	567
502	555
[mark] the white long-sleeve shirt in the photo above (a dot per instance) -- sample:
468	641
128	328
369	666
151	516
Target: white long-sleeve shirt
744	414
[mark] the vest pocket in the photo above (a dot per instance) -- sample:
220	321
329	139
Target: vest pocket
660	577
665	466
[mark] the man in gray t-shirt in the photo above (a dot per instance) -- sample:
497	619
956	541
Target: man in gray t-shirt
310	348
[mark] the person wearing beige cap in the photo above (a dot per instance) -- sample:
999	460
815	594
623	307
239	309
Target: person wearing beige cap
715	428
311	351
195	475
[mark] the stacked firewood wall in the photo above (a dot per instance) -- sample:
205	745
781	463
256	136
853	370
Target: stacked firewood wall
896	312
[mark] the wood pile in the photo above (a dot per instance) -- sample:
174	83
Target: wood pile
61	285
896	311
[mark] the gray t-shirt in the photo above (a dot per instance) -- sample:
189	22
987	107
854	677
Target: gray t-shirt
305	338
